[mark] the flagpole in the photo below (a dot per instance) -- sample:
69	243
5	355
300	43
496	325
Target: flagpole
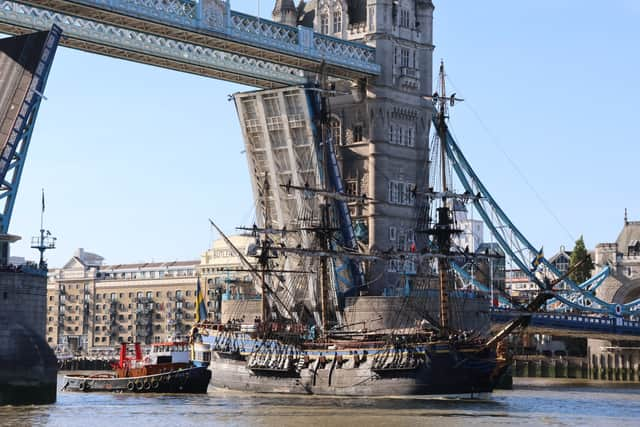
42	212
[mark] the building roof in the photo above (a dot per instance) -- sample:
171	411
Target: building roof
283	5
150	265
561	253
629	233
306	13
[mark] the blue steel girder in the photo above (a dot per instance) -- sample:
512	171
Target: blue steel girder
478	285
120	42
14	152
509	236
212	24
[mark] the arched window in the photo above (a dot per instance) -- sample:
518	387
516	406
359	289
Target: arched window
324	23
337	21
336	130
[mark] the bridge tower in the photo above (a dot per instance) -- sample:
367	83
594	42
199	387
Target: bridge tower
382	124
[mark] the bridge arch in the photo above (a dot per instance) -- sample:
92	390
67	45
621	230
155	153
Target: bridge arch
619	290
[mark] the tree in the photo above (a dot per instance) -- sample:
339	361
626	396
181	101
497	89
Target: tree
583	272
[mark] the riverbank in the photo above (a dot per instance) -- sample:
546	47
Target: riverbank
571	368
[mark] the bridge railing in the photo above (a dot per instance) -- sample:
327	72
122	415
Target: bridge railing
216	17
611	325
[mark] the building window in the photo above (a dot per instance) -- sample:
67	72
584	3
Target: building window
404	57
357	133
392	233
324	23
402	134
336	131
337	21
352	187
401	193
371	16
404	18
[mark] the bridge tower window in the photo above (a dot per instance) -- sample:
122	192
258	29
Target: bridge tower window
324	23
336	130
337	21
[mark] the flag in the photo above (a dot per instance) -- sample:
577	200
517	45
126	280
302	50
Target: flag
538	259
201	309
43	200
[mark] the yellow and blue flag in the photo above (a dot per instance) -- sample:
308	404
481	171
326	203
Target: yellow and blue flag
538	259
201	309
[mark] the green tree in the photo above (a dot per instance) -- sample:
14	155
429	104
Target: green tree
583	272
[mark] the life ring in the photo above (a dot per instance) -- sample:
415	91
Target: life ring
139	385
155	384
130	386
82	385
147	385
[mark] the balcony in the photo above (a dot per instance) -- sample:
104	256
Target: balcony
409	78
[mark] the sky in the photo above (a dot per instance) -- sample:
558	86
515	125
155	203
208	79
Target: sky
134	159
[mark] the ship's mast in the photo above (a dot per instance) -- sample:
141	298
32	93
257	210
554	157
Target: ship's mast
264	254
444	225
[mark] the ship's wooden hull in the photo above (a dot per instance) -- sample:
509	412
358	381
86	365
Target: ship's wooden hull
189	380
449	373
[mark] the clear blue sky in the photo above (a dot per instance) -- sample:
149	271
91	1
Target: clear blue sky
134	159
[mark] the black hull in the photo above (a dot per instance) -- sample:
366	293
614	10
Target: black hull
447	374
191	380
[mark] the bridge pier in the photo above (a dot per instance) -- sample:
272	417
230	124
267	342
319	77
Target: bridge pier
594	368
634	375
561	368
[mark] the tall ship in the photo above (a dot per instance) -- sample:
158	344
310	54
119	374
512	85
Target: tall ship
313	273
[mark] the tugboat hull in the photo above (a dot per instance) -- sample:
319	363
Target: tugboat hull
190	380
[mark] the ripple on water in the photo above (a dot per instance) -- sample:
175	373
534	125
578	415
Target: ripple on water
532	403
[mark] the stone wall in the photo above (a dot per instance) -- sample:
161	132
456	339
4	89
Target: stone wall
374	313
27	364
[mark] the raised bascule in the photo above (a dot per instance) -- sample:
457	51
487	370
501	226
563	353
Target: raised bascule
372	62
27	363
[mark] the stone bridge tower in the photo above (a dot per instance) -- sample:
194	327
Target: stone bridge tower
613	360
382	125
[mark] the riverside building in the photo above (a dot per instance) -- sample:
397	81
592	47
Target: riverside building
93	307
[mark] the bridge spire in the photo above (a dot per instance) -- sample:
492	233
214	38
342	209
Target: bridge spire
285	12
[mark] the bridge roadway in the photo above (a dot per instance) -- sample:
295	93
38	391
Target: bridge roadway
574	325
202	37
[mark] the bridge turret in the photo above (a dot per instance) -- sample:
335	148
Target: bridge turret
285	12
606	253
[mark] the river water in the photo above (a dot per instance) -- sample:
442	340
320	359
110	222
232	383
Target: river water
532	402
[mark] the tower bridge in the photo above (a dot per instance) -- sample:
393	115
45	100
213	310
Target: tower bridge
382	132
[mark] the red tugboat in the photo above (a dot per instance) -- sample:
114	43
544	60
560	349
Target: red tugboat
167	369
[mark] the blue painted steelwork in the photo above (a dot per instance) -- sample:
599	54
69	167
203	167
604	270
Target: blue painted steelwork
513	242
205	20
15	151
140	46
353	277
575	323
484	288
